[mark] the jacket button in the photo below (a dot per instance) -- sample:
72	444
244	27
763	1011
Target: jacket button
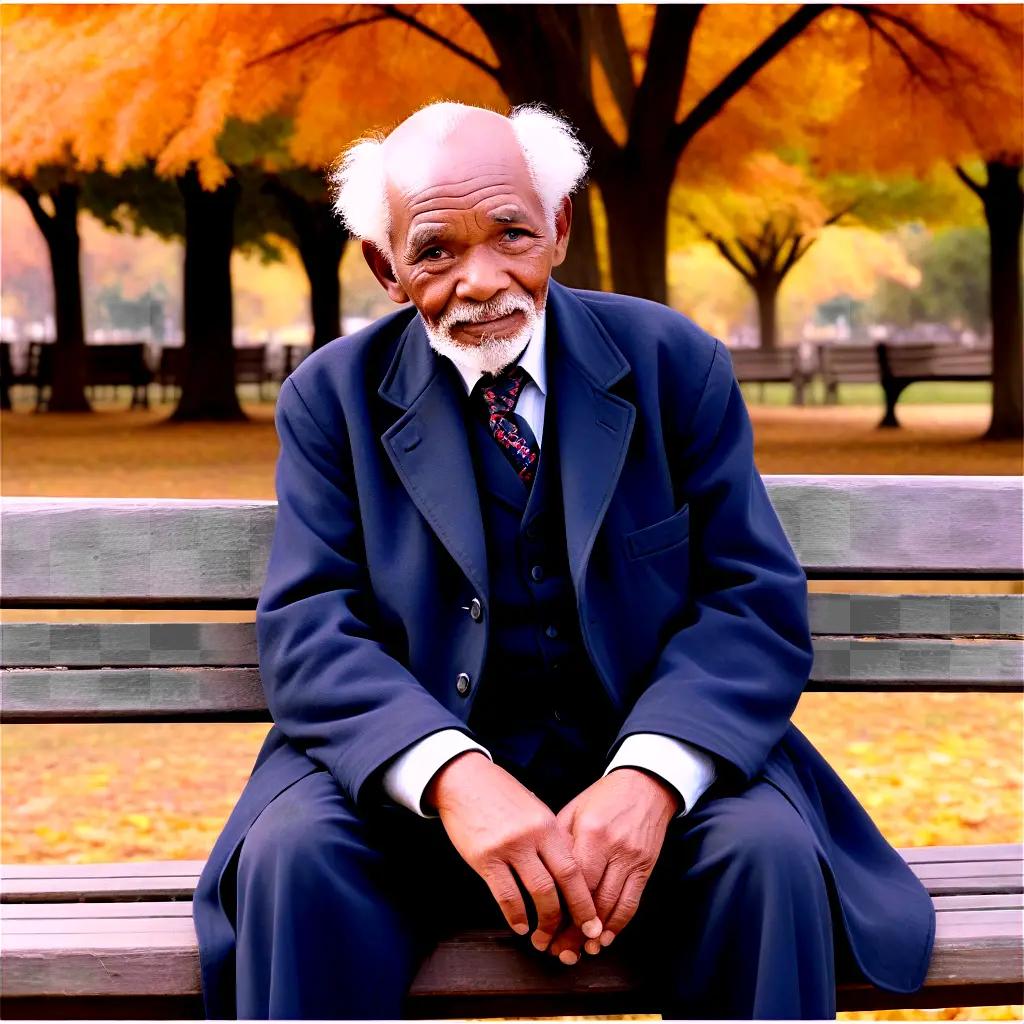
537	573
462	684
475	609
551	631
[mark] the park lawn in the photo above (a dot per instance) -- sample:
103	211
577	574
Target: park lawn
926	392
930	768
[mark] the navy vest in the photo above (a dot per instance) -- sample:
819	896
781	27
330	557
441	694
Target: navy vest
540	704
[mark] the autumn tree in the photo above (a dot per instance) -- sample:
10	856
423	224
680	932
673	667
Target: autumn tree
764	220
52	194
953	94
88	74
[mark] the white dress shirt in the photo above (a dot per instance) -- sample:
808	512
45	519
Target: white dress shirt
688	769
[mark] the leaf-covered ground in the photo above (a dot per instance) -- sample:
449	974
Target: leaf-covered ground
930	768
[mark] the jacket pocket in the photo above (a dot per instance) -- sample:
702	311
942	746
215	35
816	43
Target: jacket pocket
659	536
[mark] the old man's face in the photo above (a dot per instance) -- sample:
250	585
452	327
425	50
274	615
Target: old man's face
472	247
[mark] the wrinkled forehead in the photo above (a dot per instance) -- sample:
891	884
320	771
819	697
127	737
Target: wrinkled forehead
480	157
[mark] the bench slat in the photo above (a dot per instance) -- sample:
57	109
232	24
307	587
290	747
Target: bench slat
44	918
994	868
173	644
204	693
58	552
158	956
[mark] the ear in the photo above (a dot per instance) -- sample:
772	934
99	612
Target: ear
381	269
563	222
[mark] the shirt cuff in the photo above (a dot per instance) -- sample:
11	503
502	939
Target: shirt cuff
408	775
683	766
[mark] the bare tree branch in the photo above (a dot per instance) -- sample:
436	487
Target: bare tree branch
329	31
30	194
975	186
603	28
712	103
723	247
408	19
657	96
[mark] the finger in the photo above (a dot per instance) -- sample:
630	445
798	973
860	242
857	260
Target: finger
626	906
567	814
568	941
506	894
609	889
568	875
543	891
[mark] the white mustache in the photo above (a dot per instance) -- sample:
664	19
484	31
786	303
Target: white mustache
479	312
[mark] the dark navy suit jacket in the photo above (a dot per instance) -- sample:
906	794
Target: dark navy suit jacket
692	603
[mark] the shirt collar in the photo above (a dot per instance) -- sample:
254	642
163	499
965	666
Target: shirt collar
531	359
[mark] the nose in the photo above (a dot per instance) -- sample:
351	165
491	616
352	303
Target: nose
482	275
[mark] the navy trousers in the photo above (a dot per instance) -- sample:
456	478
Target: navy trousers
335	911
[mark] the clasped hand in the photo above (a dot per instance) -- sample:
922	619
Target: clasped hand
597	853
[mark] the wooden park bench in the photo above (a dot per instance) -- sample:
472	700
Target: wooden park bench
845	364
900	365
766	366
112	365
117	940
251	367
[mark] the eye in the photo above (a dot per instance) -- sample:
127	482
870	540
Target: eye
435	252
514	234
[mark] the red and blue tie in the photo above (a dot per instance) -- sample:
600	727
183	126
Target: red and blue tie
496	398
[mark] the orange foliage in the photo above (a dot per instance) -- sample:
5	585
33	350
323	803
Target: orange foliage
914	110
117	84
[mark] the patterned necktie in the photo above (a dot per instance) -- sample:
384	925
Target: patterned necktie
496	399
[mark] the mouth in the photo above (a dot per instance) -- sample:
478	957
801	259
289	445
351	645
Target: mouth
499	325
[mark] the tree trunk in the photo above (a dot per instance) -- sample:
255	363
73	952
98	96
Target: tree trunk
558	76
636	195
1004	211
322	242
208	384
60	230
766	288
580	268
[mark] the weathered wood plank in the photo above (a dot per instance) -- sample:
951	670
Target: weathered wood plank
86	551
117	644
942	854
69	552
945	871
922	615
979	948
233	644
205	693
47	918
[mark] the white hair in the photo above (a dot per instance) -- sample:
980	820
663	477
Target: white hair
555	157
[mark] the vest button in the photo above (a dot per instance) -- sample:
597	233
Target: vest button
537	573
551	631
462	684
531	531
475	609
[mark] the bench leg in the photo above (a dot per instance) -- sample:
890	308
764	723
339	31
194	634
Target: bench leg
892	396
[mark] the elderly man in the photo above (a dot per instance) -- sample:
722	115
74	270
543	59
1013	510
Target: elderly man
531	637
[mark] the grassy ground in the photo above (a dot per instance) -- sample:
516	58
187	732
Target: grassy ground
930	768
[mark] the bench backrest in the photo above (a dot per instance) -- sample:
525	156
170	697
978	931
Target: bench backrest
80	553
850	363
755	364
930	359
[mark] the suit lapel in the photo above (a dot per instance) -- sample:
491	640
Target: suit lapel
429	449
594	426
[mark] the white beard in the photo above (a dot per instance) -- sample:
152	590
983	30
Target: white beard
492	355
